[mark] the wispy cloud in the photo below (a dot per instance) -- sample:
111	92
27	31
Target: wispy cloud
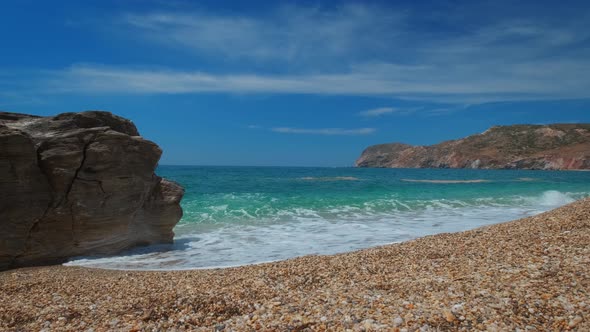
355	49
374	79
445	110
325	131
377	112
317	131
287	33
382	50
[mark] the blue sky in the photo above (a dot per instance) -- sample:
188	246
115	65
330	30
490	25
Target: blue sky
304	83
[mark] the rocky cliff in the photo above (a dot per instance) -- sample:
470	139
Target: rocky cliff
548	147
79	184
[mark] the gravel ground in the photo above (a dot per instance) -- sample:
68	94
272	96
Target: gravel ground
526	275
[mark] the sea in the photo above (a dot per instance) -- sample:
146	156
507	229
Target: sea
247	215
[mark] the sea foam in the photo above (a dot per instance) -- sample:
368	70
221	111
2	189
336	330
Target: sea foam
304	231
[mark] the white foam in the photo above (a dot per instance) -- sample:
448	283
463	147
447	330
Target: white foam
554	198
305	231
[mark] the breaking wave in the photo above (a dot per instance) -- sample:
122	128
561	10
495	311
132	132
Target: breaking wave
221	235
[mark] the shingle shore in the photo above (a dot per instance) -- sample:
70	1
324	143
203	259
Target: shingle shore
530	274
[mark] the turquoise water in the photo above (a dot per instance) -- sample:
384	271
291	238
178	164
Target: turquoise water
244	215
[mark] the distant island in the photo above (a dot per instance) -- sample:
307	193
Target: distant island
538	147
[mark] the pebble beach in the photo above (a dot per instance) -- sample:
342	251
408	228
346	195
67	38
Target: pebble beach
531	274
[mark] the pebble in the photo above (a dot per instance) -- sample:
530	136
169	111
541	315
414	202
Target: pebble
425	328
457	308
575	321
449	316
473	280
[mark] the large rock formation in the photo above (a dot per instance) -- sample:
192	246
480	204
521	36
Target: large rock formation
79	184
549	147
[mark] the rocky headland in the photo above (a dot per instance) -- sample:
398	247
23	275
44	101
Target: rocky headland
543	147
79	184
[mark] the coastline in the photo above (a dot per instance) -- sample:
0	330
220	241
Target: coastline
273	215
529	273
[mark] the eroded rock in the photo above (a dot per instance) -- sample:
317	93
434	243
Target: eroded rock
79	184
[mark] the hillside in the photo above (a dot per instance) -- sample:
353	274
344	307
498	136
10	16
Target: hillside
549	147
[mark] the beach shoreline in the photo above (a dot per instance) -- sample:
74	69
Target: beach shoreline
529	274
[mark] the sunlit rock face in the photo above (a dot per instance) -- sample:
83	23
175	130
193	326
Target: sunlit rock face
548	147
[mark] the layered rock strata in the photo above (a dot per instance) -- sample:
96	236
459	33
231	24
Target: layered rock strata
79	184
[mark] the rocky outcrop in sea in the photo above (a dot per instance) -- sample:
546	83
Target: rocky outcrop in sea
543	147
79	184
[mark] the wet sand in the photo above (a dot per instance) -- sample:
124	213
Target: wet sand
529	274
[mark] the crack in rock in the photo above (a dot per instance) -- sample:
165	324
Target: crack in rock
99	182
30	232
69	189
76	199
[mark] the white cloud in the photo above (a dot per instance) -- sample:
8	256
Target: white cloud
467	84
325	131
359	33
288	33
377	112
362	50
